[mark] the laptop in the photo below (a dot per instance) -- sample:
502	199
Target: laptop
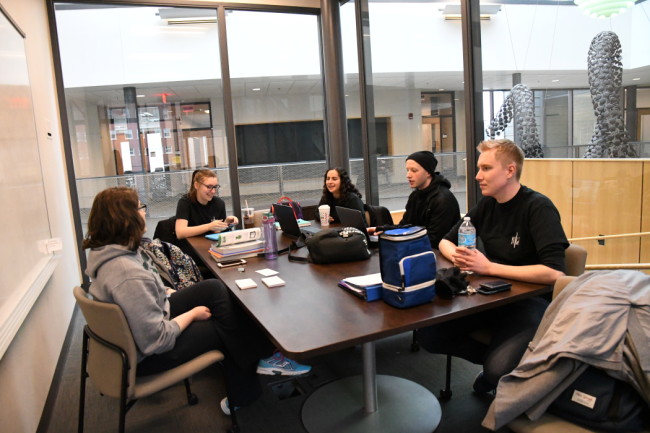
354	218
288	222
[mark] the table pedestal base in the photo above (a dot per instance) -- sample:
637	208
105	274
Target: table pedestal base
403	406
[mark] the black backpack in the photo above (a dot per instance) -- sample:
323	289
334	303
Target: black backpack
617	406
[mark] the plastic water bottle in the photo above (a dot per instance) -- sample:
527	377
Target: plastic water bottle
467	234
270	240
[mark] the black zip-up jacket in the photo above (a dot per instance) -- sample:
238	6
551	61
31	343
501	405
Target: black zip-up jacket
434	207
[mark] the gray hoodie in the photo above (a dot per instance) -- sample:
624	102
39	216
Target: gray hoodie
130	280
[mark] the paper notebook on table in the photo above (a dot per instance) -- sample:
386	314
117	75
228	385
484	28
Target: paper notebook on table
273	282
267	272
246	283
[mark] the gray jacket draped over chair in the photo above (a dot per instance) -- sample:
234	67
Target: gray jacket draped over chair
600	319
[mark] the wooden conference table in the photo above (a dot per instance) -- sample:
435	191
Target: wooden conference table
312	316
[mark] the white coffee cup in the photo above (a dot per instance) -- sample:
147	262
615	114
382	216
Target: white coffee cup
324	212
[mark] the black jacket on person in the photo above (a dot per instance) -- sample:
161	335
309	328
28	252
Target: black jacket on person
352	201
434	207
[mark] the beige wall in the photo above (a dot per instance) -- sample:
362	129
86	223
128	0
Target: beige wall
598	197
27	368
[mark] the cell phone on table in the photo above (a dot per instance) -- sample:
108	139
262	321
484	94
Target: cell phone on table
492	287
231	263
230	228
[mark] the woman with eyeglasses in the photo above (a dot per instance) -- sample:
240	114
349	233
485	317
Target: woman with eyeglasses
169	327
201	210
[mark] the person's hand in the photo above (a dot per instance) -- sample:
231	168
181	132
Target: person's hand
170	291
372	231
471	260
218	225
331	219
232	220
201	313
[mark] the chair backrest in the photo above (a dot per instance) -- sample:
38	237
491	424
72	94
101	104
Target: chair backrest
575	259
108	322
166	231
379	215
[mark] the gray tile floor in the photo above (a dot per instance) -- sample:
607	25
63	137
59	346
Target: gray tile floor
168	411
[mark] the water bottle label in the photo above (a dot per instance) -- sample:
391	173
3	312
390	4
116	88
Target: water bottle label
467	239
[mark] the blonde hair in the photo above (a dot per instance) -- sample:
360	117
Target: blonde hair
507	152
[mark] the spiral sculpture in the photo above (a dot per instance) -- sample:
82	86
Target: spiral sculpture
520	104
605	68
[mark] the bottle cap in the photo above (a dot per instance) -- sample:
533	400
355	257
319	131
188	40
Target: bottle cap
466	218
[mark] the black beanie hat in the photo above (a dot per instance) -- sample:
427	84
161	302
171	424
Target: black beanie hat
426	159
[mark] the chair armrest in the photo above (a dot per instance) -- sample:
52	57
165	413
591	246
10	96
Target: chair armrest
560	284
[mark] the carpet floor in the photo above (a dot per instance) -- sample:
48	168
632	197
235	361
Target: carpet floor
168	411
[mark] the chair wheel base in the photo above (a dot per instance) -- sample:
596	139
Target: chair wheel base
415	347
192	400
445	394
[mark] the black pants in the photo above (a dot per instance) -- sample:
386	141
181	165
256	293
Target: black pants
513	325
229	330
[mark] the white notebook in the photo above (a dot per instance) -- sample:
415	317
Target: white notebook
246	284
267	272
273	282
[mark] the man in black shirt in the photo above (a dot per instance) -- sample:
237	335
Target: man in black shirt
523	240
431	204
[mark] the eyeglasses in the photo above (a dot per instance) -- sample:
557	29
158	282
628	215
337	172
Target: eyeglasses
143	207
211	187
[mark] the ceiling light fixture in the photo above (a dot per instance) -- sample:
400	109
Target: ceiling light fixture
636	79
175	16
603	8
207	111
140	96
452	12
256	89
554	81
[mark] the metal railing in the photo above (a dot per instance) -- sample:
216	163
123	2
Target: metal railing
262	185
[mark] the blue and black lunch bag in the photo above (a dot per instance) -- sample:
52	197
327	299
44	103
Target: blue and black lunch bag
408	267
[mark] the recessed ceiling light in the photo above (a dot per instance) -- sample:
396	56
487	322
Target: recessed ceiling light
555	81
636	79
256	89
140	96
346	95
440	90
456	99
207	111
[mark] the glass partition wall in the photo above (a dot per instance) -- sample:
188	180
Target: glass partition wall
417	66
144	101
277	98
548	49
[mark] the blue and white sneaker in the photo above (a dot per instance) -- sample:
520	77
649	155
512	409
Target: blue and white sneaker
279	365
225	407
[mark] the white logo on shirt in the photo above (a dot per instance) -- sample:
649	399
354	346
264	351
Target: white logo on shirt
515	240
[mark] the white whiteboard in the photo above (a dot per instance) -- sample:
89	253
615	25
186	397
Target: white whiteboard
24	270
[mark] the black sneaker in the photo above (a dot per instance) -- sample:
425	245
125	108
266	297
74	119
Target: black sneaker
481	386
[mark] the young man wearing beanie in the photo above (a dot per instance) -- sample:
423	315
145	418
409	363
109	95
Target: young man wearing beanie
523	240
431	204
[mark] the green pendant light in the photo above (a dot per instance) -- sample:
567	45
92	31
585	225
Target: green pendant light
604	8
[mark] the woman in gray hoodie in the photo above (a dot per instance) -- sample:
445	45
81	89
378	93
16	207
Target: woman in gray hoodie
172	328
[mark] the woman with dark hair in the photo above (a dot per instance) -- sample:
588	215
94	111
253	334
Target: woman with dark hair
170	327
338	190
201	210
